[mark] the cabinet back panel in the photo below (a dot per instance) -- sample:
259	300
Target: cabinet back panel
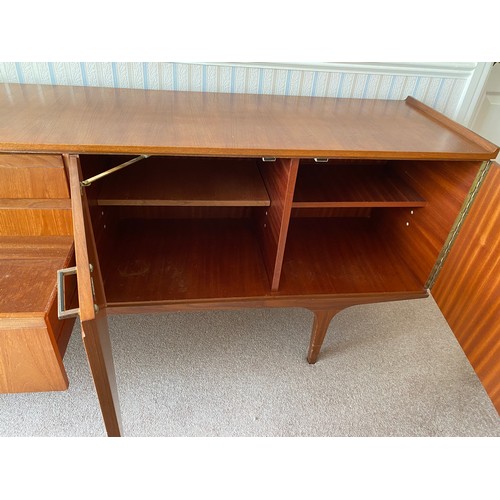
342	255
153	260
337	185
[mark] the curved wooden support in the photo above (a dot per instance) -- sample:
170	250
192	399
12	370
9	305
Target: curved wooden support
322	319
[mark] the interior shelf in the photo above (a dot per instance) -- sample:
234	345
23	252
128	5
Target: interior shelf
347	186
342	255
177	259
178	181
186	228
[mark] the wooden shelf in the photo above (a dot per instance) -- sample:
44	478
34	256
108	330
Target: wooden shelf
350	186
164	181
177	259
343	255
160	260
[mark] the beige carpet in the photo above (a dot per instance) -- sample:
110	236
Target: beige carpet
391	369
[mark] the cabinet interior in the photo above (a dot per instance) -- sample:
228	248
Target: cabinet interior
175	228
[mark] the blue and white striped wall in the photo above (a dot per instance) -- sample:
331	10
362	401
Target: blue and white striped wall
440	85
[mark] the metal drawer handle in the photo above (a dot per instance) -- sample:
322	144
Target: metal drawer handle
62	313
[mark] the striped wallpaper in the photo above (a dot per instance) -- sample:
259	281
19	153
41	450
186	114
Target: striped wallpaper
443	90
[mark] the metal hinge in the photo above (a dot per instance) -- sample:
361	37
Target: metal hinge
458	224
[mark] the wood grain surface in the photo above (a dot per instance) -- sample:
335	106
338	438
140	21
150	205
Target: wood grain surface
32	176
29	359
108	120
322	319
34	196
326	256
468	287
35	241
35	203
348	186
35	222
35	247
163	181
272	223
28	268
419	234
95	329
184	258
194	260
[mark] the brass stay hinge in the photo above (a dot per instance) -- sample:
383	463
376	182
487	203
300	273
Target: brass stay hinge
90	180
478	181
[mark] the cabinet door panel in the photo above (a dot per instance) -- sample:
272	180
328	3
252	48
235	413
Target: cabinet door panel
92	303
468	287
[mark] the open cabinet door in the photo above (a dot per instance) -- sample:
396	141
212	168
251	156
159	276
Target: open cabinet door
467	289
92	303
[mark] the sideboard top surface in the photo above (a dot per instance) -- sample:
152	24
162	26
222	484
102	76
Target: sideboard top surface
108	120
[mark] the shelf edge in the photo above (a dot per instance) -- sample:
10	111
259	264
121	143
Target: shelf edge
358	204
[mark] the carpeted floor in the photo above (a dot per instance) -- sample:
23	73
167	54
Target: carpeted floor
392	369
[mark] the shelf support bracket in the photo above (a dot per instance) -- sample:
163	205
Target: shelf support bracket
90	180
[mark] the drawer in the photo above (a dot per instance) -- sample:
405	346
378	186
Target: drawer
47	219
32	338
32	176
34	196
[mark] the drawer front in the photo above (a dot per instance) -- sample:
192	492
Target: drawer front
32	346
29	358
32	339
34	196
35	221
32	176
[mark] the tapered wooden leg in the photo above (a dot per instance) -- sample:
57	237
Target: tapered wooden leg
322	319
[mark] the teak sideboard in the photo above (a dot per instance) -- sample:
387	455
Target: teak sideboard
173	201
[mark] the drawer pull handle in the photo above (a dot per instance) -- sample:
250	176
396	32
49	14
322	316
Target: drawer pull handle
62	313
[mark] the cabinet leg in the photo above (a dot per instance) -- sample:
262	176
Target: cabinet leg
322	319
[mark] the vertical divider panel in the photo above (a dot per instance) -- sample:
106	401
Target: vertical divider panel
279	178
